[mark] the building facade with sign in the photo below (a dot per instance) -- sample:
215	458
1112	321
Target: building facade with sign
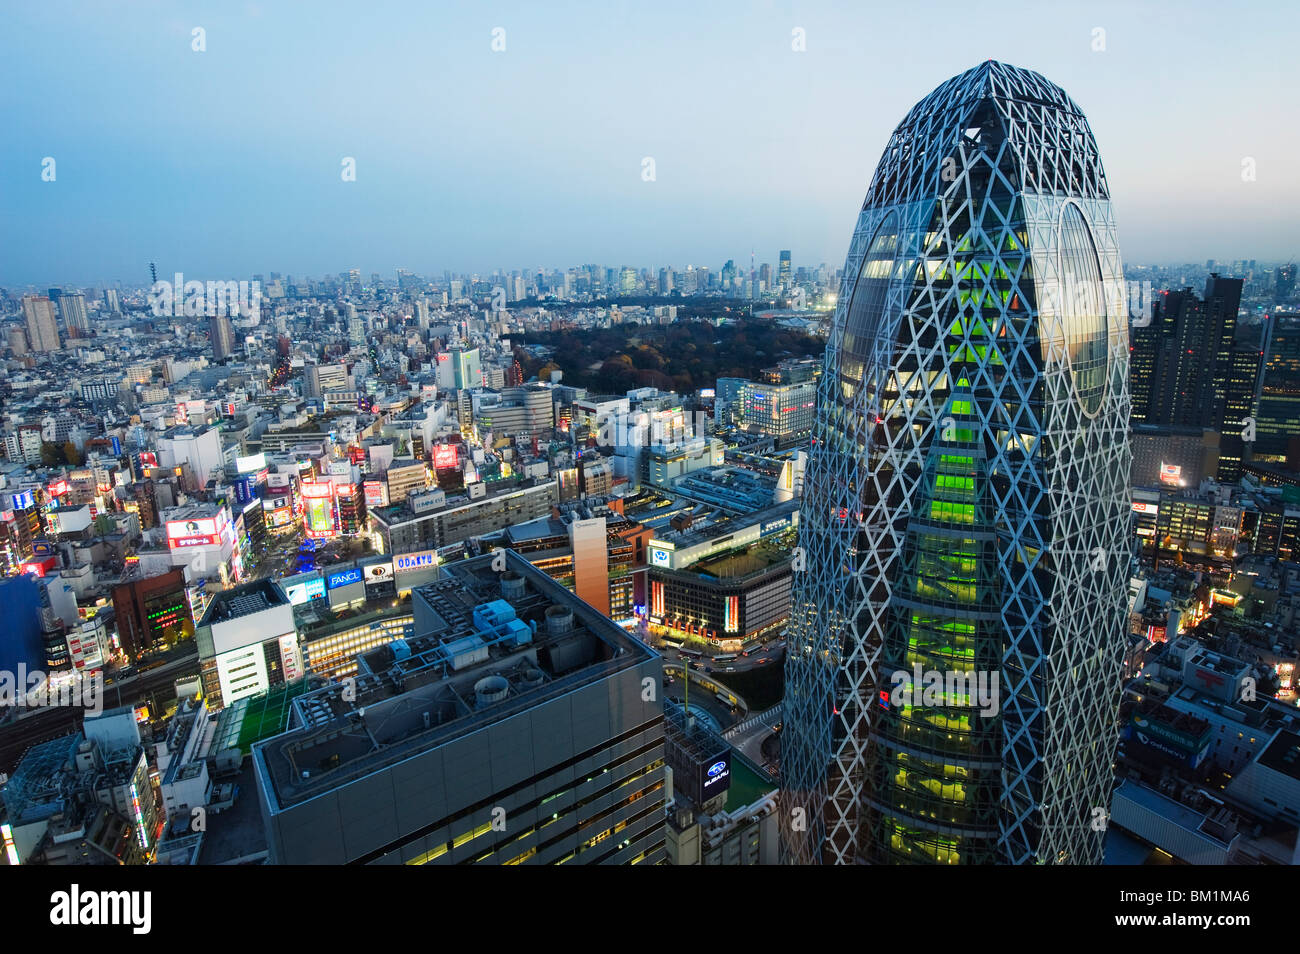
150	611
400	529
247	642
543	673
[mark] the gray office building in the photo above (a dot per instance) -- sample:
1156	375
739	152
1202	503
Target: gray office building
518	726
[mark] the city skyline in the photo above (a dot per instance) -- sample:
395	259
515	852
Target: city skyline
560	175
1263	269
444	435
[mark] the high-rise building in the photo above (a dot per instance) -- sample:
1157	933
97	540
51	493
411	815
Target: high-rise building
42	326
17	341
627	281
112	301
587	540
223	337
783	274
1180	355
1285	282
467	368
1188	370
1278	402
782	405
958	631
75	318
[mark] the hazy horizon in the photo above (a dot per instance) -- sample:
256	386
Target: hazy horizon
225	163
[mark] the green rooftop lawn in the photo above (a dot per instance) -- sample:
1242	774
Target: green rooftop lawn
746	786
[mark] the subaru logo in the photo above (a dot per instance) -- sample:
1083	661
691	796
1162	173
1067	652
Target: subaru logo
717	768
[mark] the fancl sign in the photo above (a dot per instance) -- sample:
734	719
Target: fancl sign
343	578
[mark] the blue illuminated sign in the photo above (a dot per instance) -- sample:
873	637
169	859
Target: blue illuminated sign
343	578
716	778
312	589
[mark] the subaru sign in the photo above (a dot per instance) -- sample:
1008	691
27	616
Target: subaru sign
715	777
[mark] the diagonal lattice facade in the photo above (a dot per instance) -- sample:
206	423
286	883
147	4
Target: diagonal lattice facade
965	508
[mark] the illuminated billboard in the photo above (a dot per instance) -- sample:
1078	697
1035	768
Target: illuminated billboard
344	577
715	778
317	489
247	465
11	852
198	531
1171	474
445	455
378	573
376	493
40	567
305	591
318	515
423	560
290	657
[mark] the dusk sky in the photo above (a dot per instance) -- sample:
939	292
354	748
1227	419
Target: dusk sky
227	162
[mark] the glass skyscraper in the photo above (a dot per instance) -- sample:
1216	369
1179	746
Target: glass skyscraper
958	628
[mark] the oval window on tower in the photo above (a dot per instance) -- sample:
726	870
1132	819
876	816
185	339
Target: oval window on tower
1083	309
862	321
